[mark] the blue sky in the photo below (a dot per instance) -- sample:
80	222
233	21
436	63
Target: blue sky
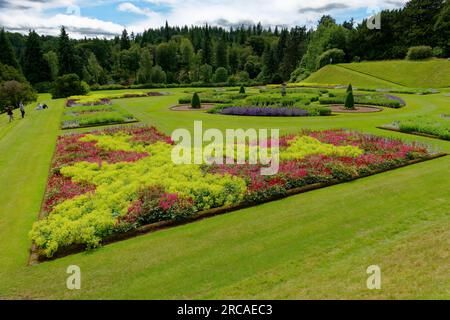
106	18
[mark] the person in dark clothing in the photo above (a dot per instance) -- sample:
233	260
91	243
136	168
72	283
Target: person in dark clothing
9	112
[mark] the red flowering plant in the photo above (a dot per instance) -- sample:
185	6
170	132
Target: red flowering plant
153	204
378	154
61	188
70	149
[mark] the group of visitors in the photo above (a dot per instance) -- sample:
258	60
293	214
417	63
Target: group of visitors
10	112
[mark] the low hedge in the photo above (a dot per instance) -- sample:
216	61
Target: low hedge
375	100
172	85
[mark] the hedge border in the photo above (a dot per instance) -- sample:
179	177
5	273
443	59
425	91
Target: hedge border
36	258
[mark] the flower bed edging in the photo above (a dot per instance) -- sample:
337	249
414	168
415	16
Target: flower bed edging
102	125
412	133
36	257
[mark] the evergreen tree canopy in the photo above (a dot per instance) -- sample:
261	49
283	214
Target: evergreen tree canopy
255	54
35	67
125	43
67	55
7	55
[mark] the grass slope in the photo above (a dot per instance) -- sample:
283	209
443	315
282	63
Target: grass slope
333	74
314	245
424	74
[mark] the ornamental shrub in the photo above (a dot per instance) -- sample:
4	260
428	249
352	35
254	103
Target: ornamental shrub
419	53
349	99
12	93
221	75
69	85
242	90
196	103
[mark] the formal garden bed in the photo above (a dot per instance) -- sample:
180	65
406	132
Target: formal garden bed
372	99
269	103
403	90
97	115
340	108
188	107
430	126
274	101
108	185
101	98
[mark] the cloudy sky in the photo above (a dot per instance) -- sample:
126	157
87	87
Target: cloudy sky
106	18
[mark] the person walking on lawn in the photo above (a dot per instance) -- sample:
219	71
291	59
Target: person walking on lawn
22	110
9	112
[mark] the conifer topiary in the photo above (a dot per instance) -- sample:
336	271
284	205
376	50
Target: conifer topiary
196	103
349	99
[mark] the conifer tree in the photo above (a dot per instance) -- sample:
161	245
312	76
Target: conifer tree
7	55
125	42
66	54
35	67
207	48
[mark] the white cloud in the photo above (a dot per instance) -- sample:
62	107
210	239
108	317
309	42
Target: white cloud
129	7
268	12
21	15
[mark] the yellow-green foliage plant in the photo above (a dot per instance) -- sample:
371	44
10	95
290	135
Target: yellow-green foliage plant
304	146
88	218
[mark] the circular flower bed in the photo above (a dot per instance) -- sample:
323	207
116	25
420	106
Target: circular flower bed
187	107
265	112
359	109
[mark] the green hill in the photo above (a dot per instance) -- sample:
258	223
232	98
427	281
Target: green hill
398	73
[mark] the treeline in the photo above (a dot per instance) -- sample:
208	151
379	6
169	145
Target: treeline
207	54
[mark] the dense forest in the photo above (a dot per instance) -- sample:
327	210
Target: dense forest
199	55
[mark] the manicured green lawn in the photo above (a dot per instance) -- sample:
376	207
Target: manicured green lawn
334	74
387	74
434	73
314	245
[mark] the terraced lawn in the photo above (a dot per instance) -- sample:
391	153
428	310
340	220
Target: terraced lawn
314	245
387	74
336	74
434	73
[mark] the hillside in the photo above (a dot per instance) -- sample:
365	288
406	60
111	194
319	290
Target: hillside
425	74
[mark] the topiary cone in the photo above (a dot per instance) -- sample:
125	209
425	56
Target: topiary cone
196	103
349	99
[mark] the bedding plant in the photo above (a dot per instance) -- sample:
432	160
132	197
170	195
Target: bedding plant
116	180
375	99
437	126
97	115
269	103
95	99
